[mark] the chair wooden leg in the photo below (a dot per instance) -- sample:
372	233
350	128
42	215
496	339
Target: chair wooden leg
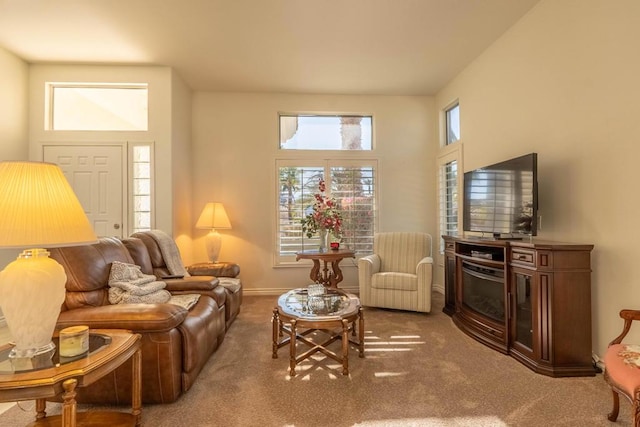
613	415
636	409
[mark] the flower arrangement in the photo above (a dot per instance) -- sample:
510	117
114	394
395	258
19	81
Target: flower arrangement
325	216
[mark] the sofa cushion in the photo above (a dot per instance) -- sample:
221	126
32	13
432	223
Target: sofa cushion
397	281
139	253
87	268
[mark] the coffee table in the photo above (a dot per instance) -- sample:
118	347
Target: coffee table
55	375
331	315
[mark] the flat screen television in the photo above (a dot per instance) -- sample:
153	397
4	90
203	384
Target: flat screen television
502	199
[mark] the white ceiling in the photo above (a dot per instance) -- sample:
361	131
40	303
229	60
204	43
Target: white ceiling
385	47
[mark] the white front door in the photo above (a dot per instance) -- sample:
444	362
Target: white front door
95	174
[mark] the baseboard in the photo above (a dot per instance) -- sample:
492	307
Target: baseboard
280	291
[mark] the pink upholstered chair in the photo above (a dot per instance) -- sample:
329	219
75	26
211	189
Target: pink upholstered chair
622	369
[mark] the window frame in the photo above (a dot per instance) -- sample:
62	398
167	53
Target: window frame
363	152
131	210
448	139
279	259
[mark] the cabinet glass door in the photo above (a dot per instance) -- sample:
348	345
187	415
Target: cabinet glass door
523	313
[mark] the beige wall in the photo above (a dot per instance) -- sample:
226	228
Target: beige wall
235	145
181	165
14	130
563	82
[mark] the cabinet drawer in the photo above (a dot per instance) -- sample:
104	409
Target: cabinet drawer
523	256
449	246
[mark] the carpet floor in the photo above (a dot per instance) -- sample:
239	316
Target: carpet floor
418	370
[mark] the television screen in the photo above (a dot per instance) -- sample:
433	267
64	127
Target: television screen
502	198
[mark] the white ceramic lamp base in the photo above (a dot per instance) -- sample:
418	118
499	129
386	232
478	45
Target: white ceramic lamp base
32	289
213	243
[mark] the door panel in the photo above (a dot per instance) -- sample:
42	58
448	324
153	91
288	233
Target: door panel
95	173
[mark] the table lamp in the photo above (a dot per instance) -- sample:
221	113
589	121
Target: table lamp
213	217
38	209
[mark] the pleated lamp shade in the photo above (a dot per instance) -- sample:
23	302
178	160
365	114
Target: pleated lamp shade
213	216
38	208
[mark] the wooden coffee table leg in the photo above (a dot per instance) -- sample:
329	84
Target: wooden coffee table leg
276	332
345	347
361	331
292	349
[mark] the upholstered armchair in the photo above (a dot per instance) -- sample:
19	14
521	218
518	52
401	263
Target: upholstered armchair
621	363
399	272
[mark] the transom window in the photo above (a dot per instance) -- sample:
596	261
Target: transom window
325	132
97	107
452	119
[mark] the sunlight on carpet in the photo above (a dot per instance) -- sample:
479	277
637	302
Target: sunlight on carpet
488	421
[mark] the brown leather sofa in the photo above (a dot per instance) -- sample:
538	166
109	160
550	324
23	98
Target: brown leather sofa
176	343
152	262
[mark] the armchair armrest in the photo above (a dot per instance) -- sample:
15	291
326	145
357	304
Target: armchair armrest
629	316
370	264
135	317
424	269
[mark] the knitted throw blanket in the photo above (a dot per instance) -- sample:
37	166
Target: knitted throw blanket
129	285
170	252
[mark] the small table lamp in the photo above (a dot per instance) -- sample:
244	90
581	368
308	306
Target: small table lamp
38	209
213	217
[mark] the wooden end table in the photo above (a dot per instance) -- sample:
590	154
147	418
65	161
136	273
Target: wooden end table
329	278
55	375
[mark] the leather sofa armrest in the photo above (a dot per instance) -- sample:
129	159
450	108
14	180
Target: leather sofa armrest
197	284
219	269
134	317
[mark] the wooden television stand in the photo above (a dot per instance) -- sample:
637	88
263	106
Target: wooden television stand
527	299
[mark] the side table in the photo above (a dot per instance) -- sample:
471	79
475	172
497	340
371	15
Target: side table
63	375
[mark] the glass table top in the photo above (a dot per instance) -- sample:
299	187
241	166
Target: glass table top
97	342
330	304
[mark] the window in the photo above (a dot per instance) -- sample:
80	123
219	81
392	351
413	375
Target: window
333	148
141	191
97	107
449	198
452	124
449	167
314	132
351	182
